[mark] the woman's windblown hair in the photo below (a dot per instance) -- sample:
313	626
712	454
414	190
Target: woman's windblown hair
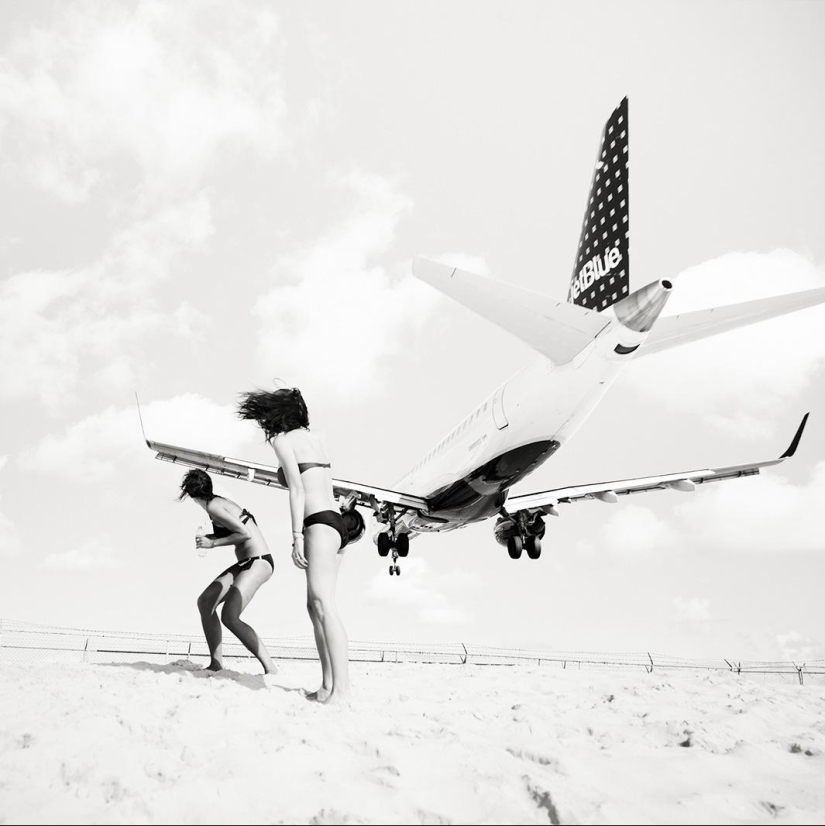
197	484
277	411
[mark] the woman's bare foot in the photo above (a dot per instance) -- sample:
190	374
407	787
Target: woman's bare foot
337	698
319	696
214	666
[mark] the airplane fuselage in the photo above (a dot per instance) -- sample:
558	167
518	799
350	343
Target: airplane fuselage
467	475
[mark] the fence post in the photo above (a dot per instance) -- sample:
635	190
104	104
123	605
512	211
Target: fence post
799	670
464	659
85	649
649	670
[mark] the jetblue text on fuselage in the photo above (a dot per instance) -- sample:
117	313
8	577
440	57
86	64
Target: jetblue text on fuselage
594	269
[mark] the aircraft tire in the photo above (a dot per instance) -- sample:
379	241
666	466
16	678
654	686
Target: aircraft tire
514	547
533	547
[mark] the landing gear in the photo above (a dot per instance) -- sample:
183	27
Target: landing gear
521	531
391	540
533	547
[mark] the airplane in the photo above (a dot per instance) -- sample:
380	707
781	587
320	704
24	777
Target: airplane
583	343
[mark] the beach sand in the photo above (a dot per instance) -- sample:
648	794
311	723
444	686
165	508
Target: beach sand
146	743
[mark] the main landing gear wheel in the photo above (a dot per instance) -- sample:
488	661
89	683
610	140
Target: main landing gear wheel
514	547
403	544
533	547
383	544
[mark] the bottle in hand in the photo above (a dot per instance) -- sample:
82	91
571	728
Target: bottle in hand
201	531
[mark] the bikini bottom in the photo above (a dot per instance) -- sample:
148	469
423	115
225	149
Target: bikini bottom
331	518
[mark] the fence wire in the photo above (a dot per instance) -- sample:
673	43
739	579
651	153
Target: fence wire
30	642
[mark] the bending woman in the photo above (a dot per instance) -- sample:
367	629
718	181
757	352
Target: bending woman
235	587
318	531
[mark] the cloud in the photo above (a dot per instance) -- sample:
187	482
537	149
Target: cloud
799	648
9	541
162	86
763	514
416	589
632	531
102	445
341	313
693	610
61	332
738	382
91	555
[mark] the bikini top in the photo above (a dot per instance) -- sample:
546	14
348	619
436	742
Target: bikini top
302	466
219	531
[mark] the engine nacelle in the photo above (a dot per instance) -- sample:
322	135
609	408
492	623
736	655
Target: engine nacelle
521	524
354	523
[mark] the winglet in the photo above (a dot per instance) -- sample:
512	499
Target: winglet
795	443
142	428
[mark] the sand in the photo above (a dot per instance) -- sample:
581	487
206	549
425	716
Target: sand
420	743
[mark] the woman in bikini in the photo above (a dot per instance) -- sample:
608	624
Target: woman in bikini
235	587
318	531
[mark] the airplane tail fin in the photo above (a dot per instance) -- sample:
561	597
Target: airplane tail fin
601	273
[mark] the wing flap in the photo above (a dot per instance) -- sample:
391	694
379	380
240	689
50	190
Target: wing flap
558	330
621	487
670	331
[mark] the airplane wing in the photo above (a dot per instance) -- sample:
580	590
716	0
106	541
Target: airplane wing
546	500
366	495
669	331
558	330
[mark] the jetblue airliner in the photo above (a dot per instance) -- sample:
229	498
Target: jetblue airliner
583	344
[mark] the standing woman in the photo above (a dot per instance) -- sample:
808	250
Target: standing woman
235	587
318	531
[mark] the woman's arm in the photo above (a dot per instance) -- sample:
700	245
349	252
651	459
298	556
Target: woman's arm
239	532
286	458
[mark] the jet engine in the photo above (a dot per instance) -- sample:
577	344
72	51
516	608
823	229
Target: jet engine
354	523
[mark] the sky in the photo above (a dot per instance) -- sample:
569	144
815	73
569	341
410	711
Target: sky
201	197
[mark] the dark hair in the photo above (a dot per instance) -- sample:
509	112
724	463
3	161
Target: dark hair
197	484
277	411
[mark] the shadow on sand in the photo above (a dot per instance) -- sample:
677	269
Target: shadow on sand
255	682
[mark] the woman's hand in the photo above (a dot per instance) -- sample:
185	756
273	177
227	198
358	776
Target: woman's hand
298	551
204	542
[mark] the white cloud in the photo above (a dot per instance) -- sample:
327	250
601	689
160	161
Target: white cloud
739	381
416	588
10	544
799	648
342	313
694	610
765	514
90	555
98	447
166	86
633	531
59	330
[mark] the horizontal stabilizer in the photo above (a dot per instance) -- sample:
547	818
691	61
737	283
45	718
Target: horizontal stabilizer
609	491
670	331
558	330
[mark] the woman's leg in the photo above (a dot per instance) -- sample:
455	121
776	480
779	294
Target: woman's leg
243	589
323	652
208	603
322	546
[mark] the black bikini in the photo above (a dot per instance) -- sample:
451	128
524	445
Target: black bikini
330	517
219	531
